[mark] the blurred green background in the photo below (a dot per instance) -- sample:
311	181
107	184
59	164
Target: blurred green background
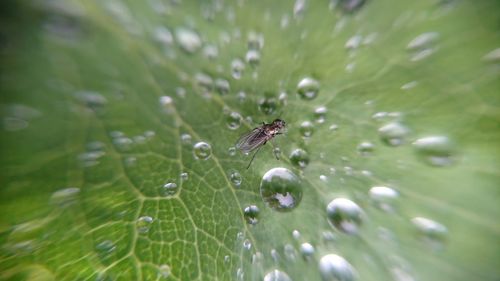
119	120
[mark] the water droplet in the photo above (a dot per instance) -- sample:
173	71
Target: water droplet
184	176
290	253
240	275
409	85
169	189
144	224
299	157
308	88
247	244
210	51
255	41
422	41
431	229
233	120
277	275
393	134
350	6
163	36
91	99
123	143
237	68
267	105
235	178
281	189
186	138
164	271
105	247
493	56
336	268
383	197
222	86
204	80
344	215
202	150
306	129
353	42
328	236
253	57
323	178
319	114
65	197
435	150
251	214
296	234
333	127
165	101
240	235
227	259
366	148
231	151
306	250
188	40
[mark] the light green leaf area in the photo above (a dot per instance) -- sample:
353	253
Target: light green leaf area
103	103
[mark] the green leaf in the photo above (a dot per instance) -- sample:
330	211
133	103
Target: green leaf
105	104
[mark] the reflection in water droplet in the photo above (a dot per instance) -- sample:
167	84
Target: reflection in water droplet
299	157
169	189
144	224
267	105
306	129
435	150
308	88
233	120
164	271
281	189
251	214
383	197
277	275
202	150
344	215
336	268
188	40
366	148
393	134
306	250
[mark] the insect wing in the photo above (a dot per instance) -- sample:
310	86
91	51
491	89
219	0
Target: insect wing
251	140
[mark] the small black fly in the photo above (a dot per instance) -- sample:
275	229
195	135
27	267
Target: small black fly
259	136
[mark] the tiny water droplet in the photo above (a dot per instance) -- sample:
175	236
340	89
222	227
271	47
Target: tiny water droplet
277	275
353	42
383	197
422	41
164	271
202	150
105	247
251	214
336	268
253	57
233	120
169	189
319	114
296	234
493	56
393	134
299	158
210	51
431	229
306	250
227	259
237	68
306	129
231	151
308	88
366	148
65	197
435	150
204	80
184	176
255	41
144	224
247	244
344	215
165	100
222	86
333	127
267	105
281	189
188	40
186	138
235	178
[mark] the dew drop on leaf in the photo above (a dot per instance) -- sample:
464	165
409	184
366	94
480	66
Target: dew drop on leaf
306	129
237	68
319	114
252	57
306	250
144	224
393	134
202	150
281	189
435	150
383	197
429	228
186	138
344	215
169	189
233	120
222	86
366	148
299	158
277	275
187	39
267	105
308	88
65	197
235	178
335	268
251	214
164	271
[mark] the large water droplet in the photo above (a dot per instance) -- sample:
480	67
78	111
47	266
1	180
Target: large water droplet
299	157
202	150
344	215
251	214
144	224
281	189
267	105
306	129
336	268
393	134
308	88
435	150
383	197
306	250
277	275
169	189
233	120
188	40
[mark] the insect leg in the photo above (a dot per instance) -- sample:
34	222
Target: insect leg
253	157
